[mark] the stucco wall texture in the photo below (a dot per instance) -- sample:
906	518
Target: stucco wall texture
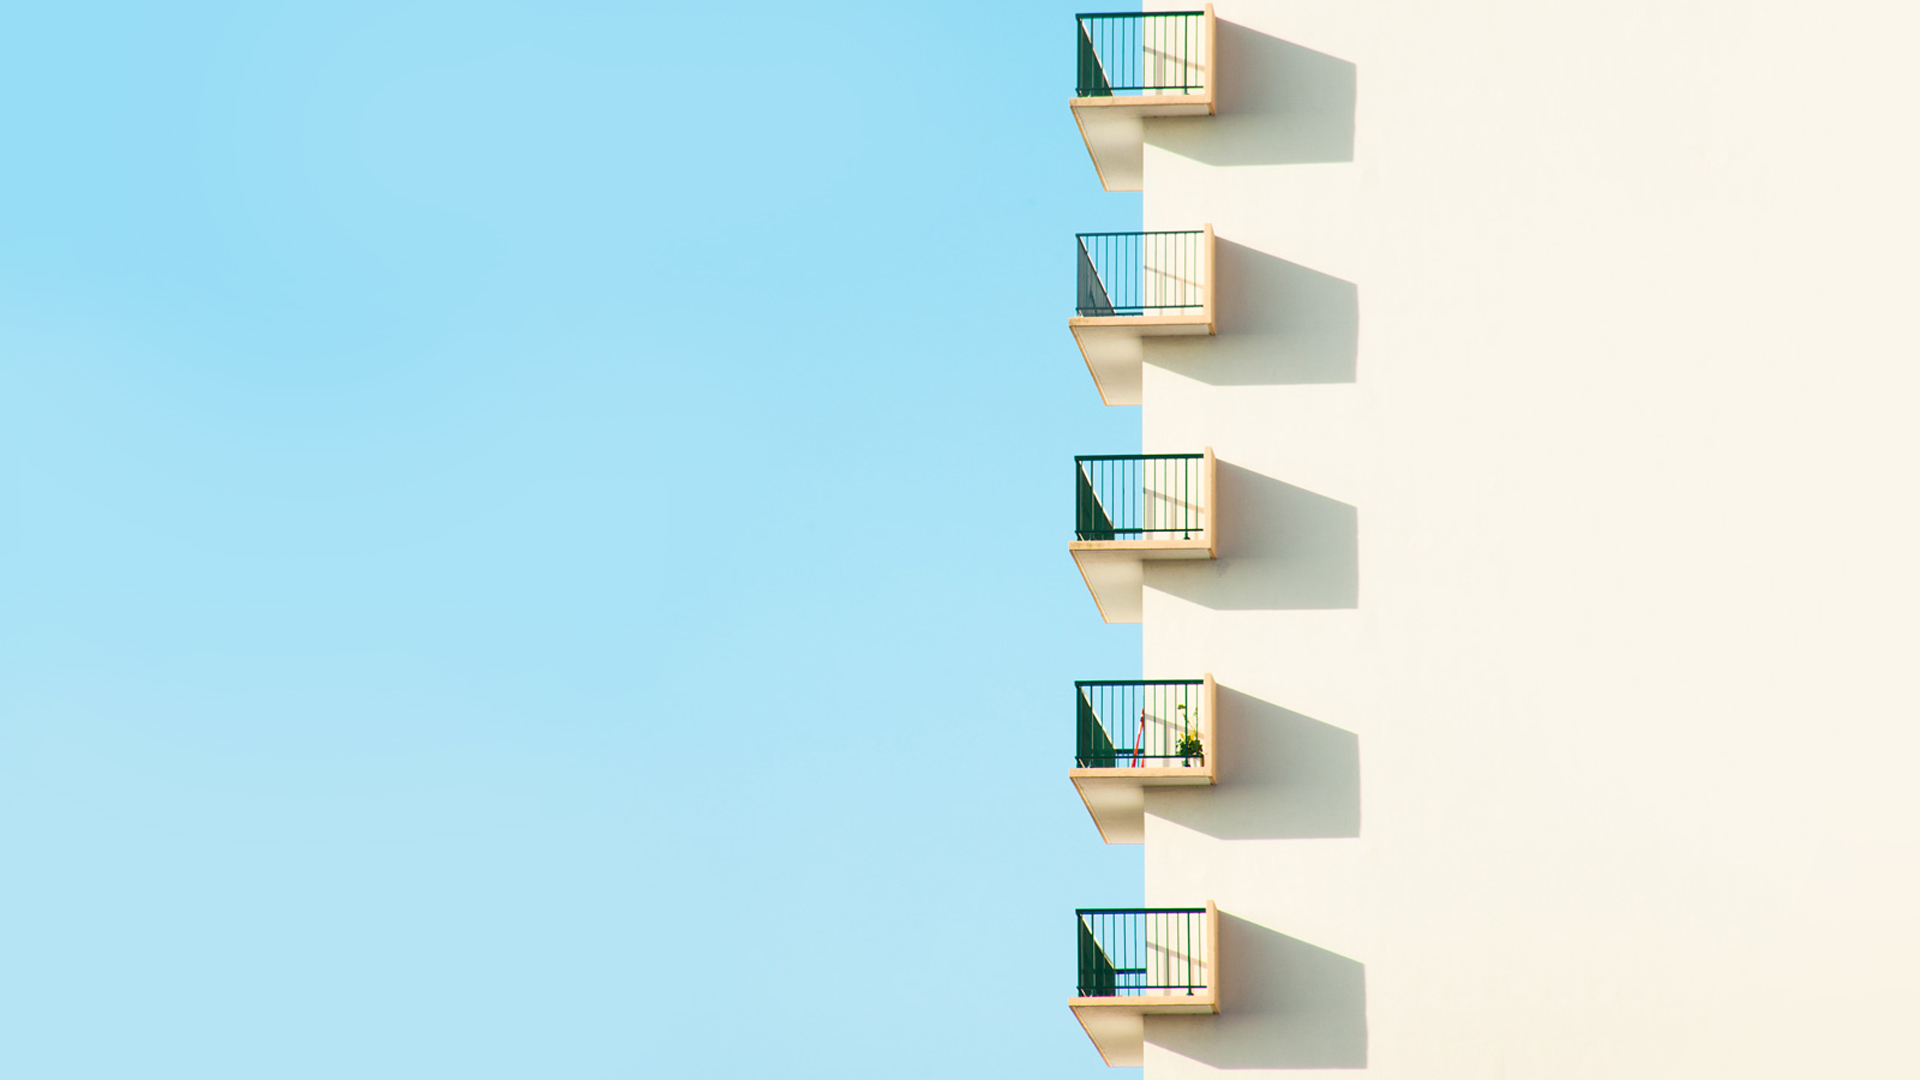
1564	617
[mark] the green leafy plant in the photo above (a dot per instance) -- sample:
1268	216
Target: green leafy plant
1189	745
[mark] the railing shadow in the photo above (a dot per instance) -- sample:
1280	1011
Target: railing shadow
1279	323
1282	776
1284	1004
1276	103
1279	547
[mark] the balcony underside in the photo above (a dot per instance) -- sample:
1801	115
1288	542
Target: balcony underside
1114	348
1117	798
1117	1025
1115	131
1115	570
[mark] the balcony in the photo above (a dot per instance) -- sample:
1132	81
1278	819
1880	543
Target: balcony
1140	962
1133	735
1132	67
1132	286
1132	509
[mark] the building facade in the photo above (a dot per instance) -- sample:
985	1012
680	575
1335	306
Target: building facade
1524	542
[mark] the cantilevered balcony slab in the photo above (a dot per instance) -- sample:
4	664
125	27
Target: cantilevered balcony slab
1133	509
1133	735
1133	68
1133	286
1141	962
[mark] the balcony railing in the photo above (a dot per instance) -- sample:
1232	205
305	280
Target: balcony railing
1144	273
1133	736
1143	723
1139	952
1135	53
1139	496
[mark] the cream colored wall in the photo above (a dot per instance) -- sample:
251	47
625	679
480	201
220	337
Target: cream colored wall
1564	610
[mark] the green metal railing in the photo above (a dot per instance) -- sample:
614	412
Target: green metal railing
1128	952
1126	53
1139	273
1139	496
1137	723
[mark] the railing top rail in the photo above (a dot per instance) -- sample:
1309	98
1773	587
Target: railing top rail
1138	457
1140	911
1138	682
1137	14
1161	232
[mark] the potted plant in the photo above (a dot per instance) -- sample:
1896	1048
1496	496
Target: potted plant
1188	748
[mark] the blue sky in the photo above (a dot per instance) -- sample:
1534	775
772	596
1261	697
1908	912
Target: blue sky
532	541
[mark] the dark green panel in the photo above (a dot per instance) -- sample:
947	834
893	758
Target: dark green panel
1092	748
1091	299
1096	971
1090	520
1091	79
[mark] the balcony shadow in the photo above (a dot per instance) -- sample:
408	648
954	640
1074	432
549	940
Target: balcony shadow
1280	548
1277	103
1282	776
1284	1004
1279	323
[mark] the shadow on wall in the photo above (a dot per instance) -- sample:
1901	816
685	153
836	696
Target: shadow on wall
1279	323
1280	548
1277	103
1284	1004
1283	776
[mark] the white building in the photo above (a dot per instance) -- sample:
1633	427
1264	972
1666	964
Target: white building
1543	594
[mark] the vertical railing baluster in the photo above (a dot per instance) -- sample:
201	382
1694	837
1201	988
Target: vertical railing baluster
1152	52
1134	722
1185	504
1129	952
